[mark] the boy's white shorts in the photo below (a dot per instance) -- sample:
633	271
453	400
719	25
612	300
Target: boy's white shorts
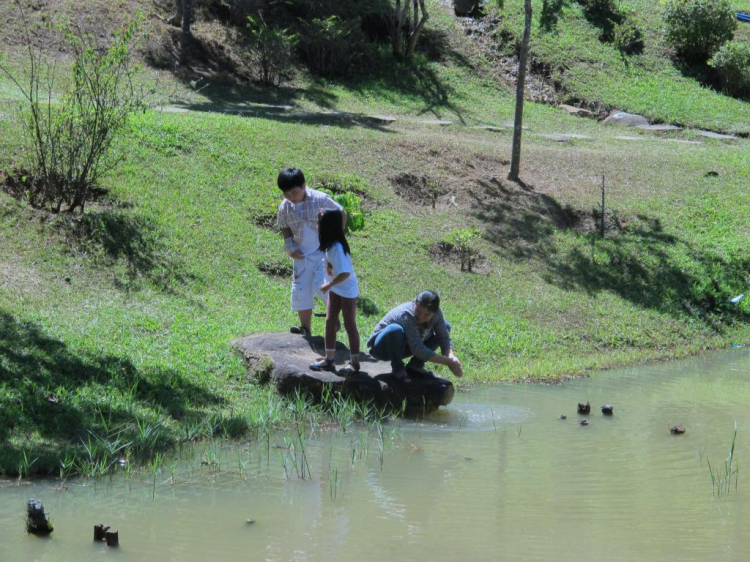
308	276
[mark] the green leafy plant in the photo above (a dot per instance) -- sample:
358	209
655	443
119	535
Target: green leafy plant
626	37
351	202
270	51
732	64
463	241
329	45
698	28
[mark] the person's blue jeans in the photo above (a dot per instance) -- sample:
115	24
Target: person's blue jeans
390	345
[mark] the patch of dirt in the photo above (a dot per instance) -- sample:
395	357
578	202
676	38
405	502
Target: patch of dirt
417	188
499	45
275	268
447	255
264	219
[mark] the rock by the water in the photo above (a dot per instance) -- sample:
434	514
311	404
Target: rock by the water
627	119
283	360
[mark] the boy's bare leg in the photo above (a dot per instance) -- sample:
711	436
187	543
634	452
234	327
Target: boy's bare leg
305	318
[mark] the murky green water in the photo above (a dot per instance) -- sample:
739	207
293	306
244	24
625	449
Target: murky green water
496	476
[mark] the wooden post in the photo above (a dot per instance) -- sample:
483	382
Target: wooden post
113	538
515	160
99	531
36	518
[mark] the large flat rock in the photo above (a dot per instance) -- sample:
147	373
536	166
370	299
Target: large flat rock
283	360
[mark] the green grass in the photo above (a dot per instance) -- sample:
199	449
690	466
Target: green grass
114	327
649	83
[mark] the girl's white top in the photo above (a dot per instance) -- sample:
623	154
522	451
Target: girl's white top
341	262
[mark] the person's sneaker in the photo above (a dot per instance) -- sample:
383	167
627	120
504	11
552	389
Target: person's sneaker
323	365
300	330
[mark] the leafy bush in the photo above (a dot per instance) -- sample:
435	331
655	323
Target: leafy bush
68	142
732	64
626	37
351	202
329	45
600	9
463	241
698	28
270	51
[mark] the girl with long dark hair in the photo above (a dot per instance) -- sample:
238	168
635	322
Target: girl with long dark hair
342	289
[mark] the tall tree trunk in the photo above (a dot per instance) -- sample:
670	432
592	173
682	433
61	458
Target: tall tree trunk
515	160
187	13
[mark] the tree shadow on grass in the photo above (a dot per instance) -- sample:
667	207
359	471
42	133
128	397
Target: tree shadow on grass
636	260
48	389
131	240
520	220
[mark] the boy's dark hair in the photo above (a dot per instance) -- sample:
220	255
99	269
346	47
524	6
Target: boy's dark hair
331	230
289	178
430	300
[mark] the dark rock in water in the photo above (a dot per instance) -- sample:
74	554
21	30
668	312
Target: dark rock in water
283	359
677	429
584	408
37	520
584	422
607	409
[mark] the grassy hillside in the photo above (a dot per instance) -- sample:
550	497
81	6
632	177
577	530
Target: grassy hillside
121	318
650	83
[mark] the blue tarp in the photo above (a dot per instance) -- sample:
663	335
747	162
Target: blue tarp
743	17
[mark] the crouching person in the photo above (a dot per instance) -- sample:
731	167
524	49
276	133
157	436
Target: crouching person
414	329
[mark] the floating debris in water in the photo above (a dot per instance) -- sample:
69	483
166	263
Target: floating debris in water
584	422
607	409
250	522
562	417
677	429
584	408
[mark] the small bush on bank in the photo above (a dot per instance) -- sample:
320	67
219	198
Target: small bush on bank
463	242
732	64
698	28
270	51
69	130
329	45
600	9
627	38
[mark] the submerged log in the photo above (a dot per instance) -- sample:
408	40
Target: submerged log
37	520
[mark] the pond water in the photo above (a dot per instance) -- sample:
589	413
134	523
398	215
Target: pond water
495	476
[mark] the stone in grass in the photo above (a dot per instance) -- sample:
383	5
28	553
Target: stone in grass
283	360
660	127
712	135
37	520
626	119
578	111
381	119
